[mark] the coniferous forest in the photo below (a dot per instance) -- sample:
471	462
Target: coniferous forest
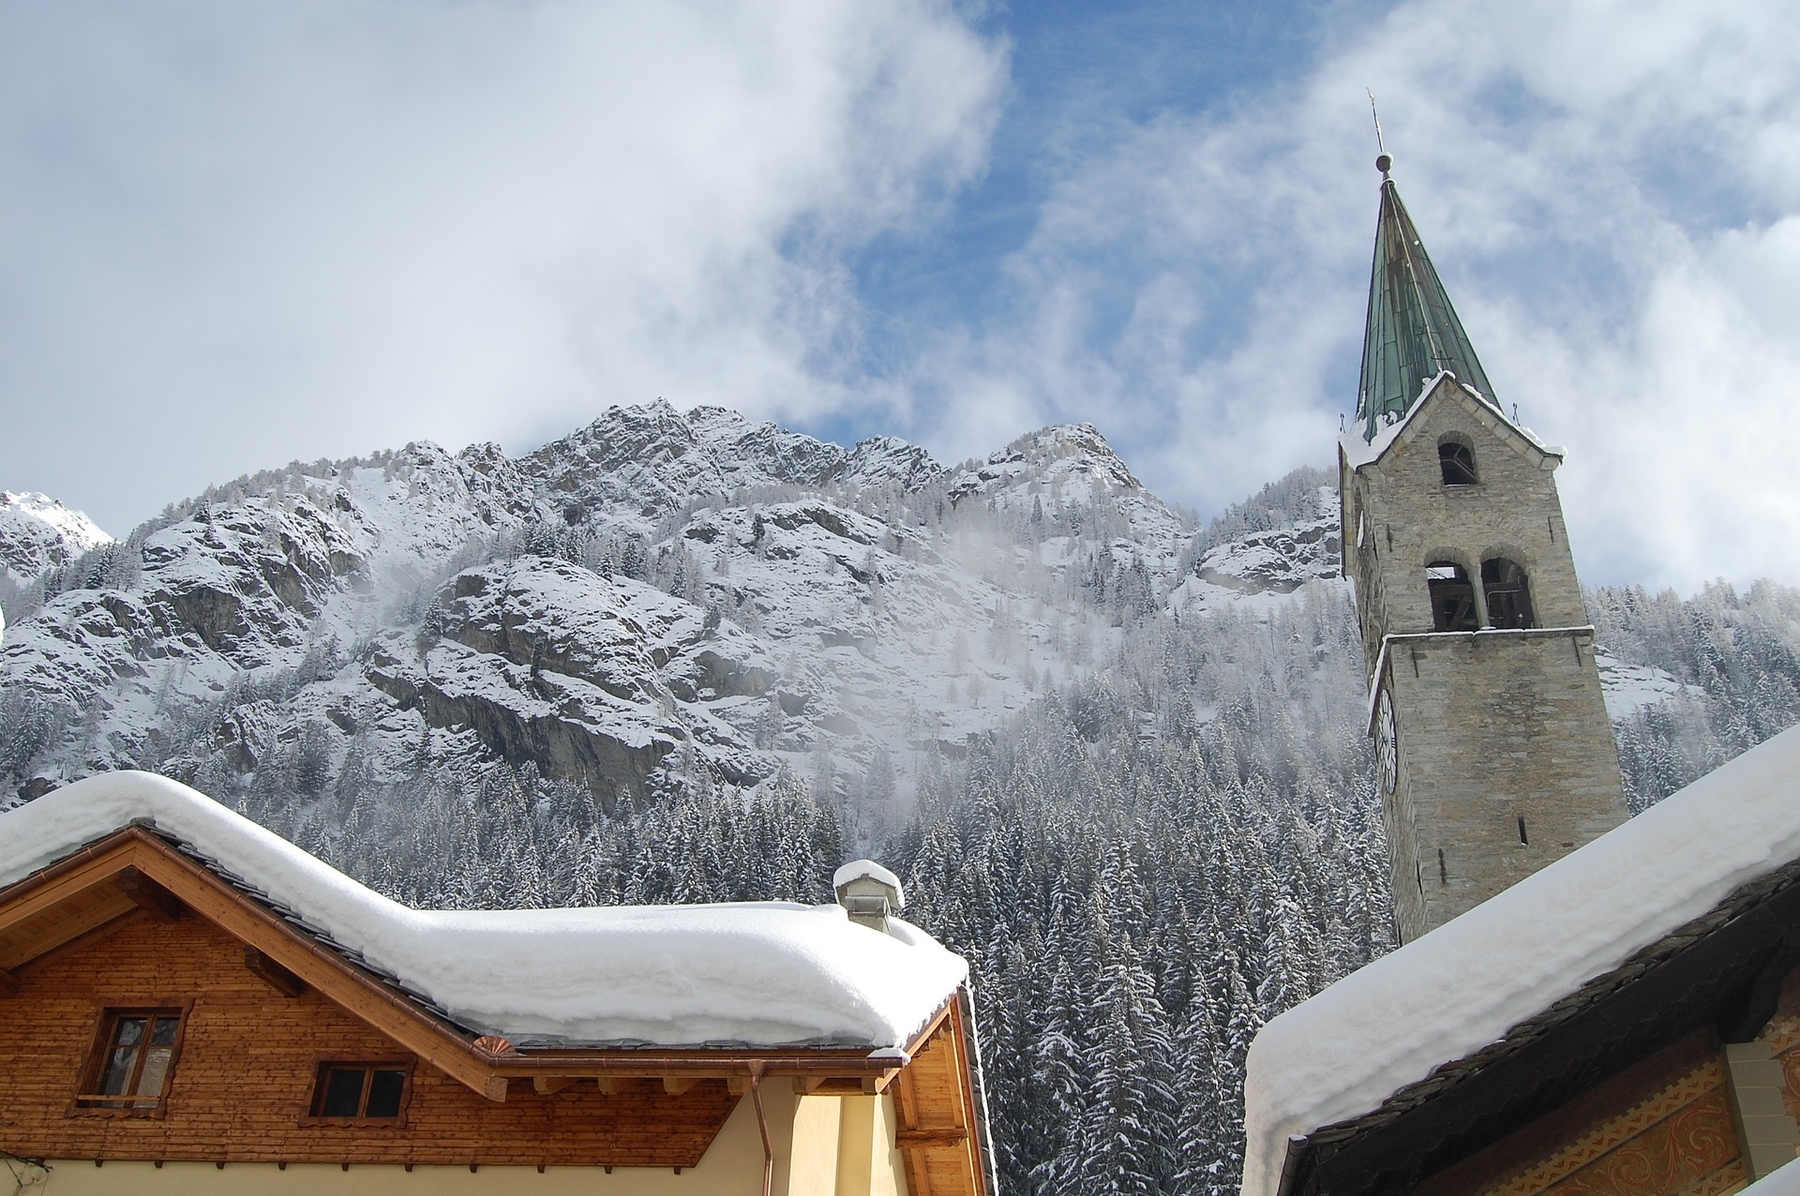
1170	839
1137	889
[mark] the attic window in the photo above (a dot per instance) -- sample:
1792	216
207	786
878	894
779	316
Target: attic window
1508	593
1457	461
1452	597
363	1092
133	1061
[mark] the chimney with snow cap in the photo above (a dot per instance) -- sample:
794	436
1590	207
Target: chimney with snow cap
869	892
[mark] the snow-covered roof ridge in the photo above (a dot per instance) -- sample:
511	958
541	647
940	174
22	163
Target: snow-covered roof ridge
757	974
1468	983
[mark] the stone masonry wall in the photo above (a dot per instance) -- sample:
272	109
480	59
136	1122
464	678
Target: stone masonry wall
1412	519
1494	727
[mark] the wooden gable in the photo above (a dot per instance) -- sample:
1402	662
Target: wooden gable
133	923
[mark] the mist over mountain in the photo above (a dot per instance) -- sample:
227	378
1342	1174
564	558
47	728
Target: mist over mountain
1118	757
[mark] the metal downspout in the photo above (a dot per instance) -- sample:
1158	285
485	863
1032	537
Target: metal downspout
762	1123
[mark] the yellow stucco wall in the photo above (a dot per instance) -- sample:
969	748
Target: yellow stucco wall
868	1164
824	1146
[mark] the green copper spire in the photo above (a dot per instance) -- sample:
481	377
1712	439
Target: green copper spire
1412	332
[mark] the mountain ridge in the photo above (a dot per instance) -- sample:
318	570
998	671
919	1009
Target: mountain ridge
656	590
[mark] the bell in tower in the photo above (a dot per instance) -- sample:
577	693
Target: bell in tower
1494	752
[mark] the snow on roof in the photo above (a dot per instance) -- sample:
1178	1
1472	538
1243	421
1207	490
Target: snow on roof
1359	452
858	869
1466	984
757	974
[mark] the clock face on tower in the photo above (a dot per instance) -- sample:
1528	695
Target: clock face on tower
1386	755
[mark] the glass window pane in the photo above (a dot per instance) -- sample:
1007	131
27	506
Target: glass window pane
130	1031
118	1071
384	1093
163	1033
156	1069
343	1092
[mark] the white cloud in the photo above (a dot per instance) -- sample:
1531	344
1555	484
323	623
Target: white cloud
1610	190
232	236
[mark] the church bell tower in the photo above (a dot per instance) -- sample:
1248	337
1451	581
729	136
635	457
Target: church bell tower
1494	752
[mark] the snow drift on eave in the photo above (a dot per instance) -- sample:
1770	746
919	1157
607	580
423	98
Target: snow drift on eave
758	974
1467	983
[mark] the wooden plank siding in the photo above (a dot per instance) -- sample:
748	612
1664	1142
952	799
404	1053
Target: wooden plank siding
133	923
243	1083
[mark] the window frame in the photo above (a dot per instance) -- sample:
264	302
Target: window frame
87	1099
323	1065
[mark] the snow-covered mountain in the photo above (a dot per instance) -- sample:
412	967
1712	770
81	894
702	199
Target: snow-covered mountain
37	533
654	595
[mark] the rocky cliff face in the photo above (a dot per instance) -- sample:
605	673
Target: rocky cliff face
38	533
655	600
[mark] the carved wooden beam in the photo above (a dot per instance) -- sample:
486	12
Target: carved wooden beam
549	1084
152	898
9	984
279	978
676	1085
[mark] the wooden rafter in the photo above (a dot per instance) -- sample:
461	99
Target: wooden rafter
279	978
934	1106
152	898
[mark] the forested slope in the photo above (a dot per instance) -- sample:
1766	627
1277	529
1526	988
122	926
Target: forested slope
1118	758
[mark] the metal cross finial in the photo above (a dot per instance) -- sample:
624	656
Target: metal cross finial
1384	161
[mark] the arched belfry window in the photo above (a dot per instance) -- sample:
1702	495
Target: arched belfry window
1456	458
1452	597
1508	593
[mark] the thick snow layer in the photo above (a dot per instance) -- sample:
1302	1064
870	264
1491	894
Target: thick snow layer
1467	983
762	974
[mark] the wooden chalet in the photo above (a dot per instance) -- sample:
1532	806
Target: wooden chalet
1626	1021
189	1004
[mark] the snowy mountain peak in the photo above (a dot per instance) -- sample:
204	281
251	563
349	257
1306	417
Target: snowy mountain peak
1074	458
1076	448
37	532
651	461
889	461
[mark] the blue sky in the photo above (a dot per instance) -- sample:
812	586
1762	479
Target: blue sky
232	236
